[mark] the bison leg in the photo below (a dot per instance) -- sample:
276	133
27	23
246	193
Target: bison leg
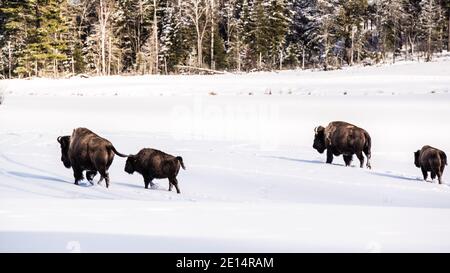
90	176
439	175
368	165
104	175
368	155
174	181
361	159
78	175
107	179
348	159
433	175
329	156
425	174
148	181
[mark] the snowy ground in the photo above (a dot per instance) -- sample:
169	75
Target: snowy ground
253	181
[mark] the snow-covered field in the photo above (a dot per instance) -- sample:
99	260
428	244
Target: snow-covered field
252	183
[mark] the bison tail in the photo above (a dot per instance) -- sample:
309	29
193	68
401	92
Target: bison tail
180	159
368	144
117	153
444	158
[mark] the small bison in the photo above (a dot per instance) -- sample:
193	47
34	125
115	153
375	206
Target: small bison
153	164
430	159
86	151
343	138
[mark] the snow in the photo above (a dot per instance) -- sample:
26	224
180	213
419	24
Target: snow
253	183
399	78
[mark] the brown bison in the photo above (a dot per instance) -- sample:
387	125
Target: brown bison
343	138
86	151
153	164
430	159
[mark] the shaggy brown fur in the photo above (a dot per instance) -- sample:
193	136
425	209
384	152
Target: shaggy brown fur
430	159
86	151
153	164
343	138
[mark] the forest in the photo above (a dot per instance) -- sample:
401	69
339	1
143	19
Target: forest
63	38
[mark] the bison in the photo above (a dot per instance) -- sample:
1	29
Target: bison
343	138
151	164
430	159
86	151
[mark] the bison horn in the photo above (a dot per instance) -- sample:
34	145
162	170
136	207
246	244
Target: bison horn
59	139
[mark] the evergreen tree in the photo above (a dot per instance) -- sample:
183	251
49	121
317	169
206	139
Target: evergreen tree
60	37
13	38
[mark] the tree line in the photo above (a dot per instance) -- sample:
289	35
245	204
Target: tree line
58	38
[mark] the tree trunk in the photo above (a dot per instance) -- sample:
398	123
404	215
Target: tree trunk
395	43
260	60
281	59
411	45
326	48
165	65
429	34
138	40
103	53
155	27
55	62
407	51
303	58
9	59
212	36
353	44
118	64
238	55
199	52
55	75
109	56
448	38
73	67
104	14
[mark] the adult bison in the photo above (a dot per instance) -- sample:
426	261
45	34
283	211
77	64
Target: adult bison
343	138
153	164
430	159
86	151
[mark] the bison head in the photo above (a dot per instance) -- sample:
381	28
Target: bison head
64	142
319	139
129	165
416	158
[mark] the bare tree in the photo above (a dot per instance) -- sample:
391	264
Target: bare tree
155	34
213	64
198	12
9	59
104	12
429	19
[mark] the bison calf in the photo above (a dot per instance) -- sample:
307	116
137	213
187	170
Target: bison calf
153	164
430	159
343	138
86	151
